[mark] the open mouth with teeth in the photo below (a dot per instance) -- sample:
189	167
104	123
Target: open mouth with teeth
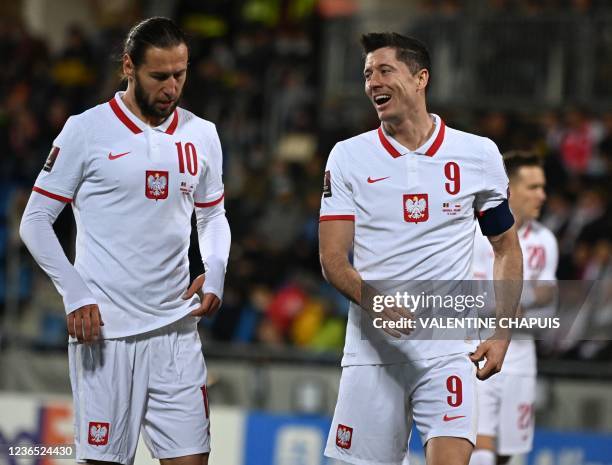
382	99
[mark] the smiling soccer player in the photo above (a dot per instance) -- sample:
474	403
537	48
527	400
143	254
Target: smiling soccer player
386	196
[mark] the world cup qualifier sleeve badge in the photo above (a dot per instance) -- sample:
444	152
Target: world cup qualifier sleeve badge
50	161
156	185
416	208
327	191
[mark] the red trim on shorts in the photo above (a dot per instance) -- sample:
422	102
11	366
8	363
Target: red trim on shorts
205	397
51	195
210	204
123	117
337	218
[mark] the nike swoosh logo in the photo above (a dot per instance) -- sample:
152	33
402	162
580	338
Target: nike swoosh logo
114	157
372	181
447	418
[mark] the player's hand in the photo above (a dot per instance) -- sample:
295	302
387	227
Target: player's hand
84	323
209	303
494	351
209	306
195	288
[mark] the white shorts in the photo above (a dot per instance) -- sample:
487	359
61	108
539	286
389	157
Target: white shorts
156	380
377	404
505	405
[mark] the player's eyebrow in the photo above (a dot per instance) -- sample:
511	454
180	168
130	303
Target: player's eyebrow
377	66
166	75
368	69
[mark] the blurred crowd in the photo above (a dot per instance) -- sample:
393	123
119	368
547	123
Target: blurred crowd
522	7
257	77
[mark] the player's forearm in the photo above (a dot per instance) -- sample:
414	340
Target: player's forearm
214	237
36	231
340	273
507	274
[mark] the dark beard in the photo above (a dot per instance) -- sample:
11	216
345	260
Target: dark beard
146	108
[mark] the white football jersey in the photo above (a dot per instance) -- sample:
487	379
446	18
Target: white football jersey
540	259
414	218
133	189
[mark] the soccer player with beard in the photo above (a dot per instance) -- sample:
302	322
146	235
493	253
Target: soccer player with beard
134	169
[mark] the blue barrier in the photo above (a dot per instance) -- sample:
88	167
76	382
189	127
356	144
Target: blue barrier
300	440
272	439
285	439
561	448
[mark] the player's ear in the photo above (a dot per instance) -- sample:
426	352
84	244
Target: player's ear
423	79
128	66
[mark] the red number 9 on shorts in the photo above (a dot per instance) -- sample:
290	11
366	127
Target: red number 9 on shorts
453	384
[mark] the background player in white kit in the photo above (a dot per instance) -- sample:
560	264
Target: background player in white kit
386	196
133	169
505	423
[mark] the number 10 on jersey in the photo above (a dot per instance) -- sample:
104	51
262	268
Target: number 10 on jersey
188	157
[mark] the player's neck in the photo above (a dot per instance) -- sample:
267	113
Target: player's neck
412	131
129	100
520	221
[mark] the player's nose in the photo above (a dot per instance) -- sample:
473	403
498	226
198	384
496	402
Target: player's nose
374	81
372	85
170	89
542	195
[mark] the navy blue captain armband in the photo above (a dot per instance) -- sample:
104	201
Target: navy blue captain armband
495	220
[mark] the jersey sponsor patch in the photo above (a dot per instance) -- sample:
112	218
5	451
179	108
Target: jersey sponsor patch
327	192
156	185
98	433
416	208
344	436
51	159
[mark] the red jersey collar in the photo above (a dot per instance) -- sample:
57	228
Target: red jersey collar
429	148
134	124
525	230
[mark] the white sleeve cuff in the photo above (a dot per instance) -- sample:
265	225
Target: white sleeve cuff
214	238
215	276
